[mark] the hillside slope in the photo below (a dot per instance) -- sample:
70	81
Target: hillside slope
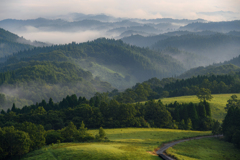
216	47
211	70
11	43
113	61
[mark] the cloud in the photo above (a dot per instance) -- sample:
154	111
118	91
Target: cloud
189	9
219	15
61	37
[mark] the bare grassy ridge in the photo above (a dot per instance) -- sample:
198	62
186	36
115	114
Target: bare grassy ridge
204	149
217	104
126	143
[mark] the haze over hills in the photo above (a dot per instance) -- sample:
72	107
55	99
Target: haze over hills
89	27
192	48
228	67
106	64
84	69
213	26
217	47
117	64
11	43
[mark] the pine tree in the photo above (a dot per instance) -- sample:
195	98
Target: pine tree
208	109
201	110
193	115
13	108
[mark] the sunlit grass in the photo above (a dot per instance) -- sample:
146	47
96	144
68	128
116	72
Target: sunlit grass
217	104
205	149
125	143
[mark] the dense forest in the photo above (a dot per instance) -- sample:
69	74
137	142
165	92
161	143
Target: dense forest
82	69
48	122
172	87
215	69
108	52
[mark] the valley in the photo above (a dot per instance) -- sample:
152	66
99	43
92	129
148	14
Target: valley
96	86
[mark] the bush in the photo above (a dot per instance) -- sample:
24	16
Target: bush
53	137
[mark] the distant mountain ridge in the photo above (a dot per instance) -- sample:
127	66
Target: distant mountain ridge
213	26
76	22
82	69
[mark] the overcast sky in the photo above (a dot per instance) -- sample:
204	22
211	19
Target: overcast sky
212	10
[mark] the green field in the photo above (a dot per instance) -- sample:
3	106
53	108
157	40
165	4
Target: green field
126	143
205	149
217	104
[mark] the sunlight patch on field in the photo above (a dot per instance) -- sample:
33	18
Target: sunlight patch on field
218	103
125	143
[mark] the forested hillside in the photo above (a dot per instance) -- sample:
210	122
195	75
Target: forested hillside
58	70
37	80
235	61
216	47
11	43
113	61
192	49
172	87
210	70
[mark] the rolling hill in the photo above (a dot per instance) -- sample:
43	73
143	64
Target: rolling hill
217	47
84	69
211	70
223	27
11	43
111	60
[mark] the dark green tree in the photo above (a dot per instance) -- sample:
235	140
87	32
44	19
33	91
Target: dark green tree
204	95
13	142
233	101
36	133
69	132
216	129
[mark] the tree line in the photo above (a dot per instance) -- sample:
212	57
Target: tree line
172	87
25	137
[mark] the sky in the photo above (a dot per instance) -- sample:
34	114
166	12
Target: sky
211	10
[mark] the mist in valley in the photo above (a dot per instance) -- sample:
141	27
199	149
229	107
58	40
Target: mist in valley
150	25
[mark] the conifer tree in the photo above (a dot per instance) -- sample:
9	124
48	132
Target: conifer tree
207	108
201	110
193	115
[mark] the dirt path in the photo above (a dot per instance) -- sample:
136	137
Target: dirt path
167	145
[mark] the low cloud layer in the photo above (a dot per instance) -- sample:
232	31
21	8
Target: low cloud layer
189	9
61	37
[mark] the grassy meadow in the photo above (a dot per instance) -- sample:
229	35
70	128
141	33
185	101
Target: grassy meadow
125	143
217	104
205	149
139	143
